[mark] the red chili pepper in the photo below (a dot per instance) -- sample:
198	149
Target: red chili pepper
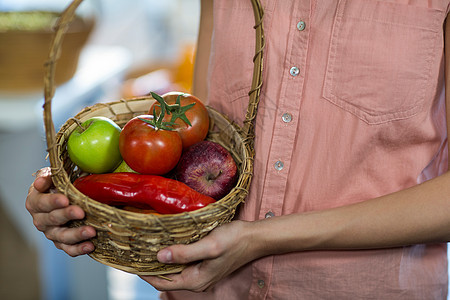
166	196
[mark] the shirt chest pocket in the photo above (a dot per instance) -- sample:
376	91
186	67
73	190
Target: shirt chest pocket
380	59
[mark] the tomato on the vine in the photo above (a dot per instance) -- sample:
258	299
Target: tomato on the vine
190	116
147	148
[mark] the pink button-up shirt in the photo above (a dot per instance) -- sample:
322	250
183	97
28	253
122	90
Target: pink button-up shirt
352	108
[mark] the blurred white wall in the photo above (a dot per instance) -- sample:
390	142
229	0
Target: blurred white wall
150	29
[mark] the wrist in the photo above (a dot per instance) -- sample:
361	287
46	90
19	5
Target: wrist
269	237
289	233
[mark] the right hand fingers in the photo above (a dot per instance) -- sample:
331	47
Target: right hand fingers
51	211
39	200
77	249
56	217
43	181
69	239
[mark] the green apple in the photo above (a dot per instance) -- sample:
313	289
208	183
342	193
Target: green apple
94	146
123	167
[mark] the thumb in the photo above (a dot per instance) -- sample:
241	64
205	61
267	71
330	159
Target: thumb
43	181
183	254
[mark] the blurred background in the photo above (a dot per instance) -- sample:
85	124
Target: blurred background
120	48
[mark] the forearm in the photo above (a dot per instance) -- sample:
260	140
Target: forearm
420	214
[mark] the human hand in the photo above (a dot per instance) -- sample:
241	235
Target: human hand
217	255
51	211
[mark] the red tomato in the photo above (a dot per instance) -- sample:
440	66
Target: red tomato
197	116
147	149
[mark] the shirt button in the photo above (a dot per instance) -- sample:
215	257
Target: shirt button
294	71
286	117
269	215
301	26
261	283
279	165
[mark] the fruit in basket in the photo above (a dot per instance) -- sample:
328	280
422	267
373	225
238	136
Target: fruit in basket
94	145
148	146
164	195
123	167
208	168
188	113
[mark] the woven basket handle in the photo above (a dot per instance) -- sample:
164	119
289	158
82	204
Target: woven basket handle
49	86
49	83
255	92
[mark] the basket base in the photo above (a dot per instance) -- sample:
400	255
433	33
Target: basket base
169	269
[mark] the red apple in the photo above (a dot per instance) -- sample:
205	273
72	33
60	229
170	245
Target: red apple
208	168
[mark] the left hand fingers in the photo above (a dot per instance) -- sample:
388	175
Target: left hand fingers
188	279
207	248
217	255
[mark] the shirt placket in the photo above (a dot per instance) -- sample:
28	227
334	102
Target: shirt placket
284	134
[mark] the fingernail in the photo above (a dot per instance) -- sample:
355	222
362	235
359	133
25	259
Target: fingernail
59	202
85	234
73	215
165	256
87	249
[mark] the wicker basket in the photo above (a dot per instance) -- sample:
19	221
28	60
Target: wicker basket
23	52
130	241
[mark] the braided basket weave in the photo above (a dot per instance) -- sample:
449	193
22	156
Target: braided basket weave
127	240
